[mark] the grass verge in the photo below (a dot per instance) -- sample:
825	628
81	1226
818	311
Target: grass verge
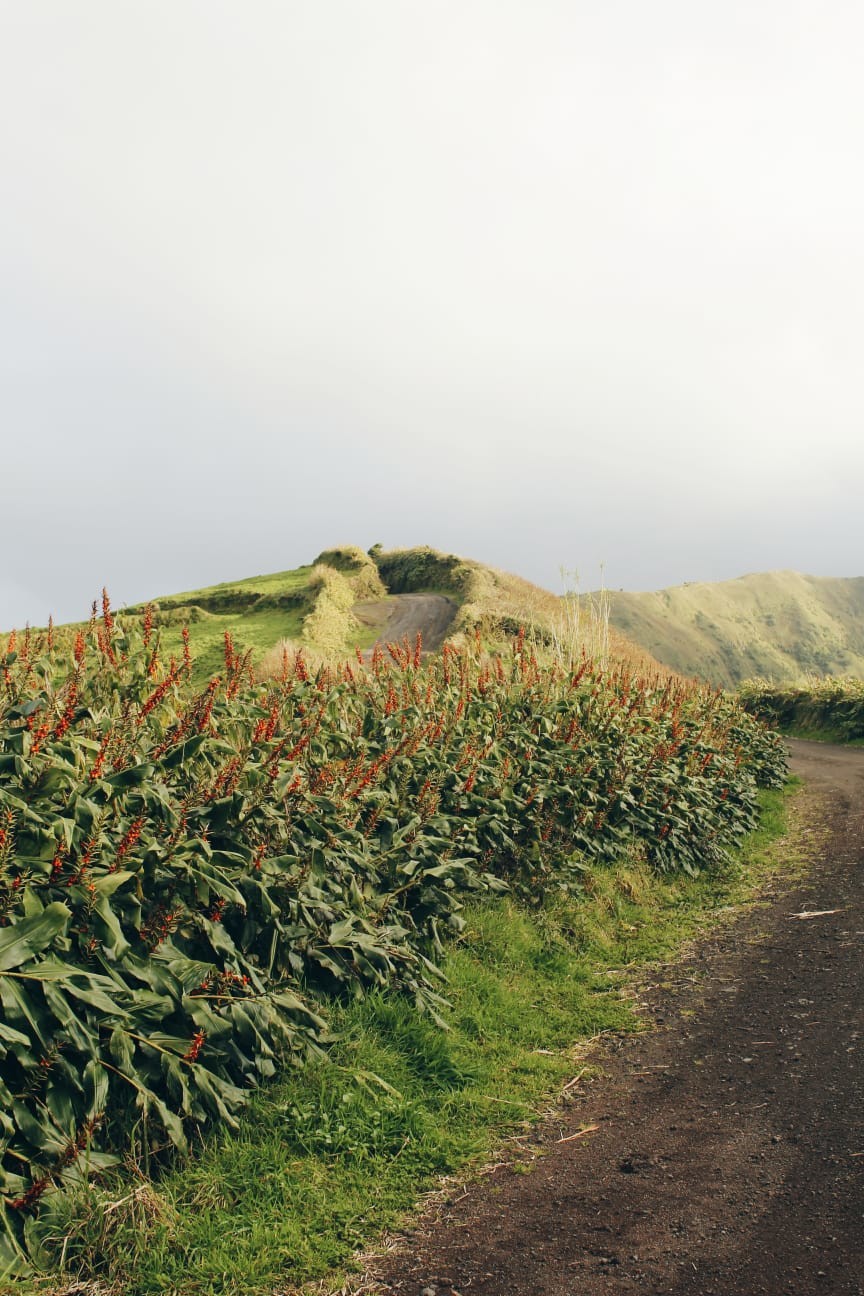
823	735
330	1155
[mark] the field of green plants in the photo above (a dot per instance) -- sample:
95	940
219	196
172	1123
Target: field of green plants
831	709
190	875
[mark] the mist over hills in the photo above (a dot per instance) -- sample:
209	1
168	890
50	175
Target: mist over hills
778	625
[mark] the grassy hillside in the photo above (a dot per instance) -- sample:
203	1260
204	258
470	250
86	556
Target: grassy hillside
257	613
777	625
308	605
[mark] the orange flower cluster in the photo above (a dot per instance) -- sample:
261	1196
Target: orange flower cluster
266	726
159	692
68	712
207	706
127	841
40	732
99	762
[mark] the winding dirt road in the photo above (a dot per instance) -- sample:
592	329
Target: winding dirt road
729	1154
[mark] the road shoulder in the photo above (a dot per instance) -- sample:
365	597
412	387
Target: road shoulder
723	1151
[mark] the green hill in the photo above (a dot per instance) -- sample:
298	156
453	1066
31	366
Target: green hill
309	605
778	625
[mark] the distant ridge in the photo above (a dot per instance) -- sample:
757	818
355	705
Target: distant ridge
778	625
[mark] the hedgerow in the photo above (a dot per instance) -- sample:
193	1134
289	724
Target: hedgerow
187	876
831	706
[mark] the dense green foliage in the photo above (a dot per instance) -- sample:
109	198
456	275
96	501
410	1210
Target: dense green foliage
187	876
827	708
332	1152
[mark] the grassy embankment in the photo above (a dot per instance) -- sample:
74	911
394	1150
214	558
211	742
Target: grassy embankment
821	710
332	1154
313	606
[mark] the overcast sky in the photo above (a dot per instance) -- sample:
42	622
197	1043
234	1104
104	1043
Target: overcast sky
547	284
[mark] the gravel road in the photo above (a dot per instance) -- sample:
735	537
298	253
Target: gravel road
429	615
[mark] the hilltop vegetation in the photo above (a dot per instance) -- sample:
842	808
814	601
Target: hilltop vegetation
311	607
776	625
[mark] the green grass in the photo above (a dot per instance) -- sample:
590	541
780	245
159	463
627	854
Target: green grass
256	630
365	637
330	1155
250	627
269	584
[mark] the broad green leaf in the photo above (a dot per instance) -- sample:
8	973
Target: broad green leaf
29	937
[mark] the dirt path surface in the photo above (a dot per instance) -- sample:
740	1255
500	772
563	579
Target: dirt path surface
728	1153
429	615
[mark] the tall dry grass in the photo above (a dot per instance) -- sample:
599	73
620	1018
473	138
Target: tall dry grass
330	625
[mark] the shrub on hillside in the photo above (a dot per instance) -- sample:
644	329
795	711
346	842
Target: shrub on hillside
358	569
405	571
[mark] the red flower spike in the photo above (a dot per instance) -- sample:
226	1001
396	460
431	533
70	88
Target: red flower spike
194	1049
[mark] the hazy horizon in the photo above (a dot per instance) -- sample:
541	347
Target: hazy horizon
550	286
